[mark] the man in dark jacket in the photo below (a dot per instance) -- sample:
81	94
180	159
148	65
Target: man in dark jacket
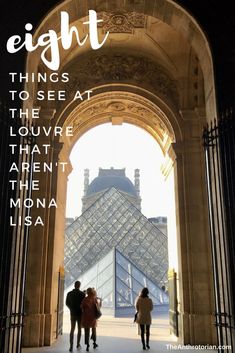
73	302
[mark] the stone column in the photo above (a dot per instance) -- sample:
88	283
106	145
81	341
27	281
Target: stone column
137	181
86	181
46	244
195	267
55	246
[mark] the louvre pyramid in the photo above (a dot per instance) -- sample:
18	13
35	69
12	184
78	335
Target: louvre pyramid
114	222
118	282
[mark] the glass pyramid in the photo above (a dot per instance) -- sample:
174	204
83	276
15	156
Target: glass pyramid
114	222
118	282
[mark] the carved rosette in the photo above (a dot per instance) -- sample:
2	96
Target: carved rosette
121	22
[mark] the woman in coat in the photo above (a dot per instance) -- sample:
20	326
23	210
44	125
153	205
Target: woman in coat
89	320
144	306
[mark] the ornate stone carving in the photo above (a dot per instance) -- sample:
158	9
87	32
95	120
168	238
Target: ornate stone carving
116	106
147	113
122	22
121	68
126	107
119	107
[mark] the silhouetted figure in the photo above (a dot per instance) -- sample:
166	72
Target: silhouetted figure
89	317
73	301
144	306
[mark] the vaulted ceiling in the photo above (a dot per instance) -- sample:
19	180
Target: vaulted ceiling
216	20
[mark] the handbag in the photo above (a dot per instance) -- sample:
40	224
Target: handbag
98	312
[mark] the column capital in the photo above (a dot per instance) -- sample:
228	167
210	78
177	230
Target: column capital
188	114
46	114
57	146
195	114
176	148
60	154
173	151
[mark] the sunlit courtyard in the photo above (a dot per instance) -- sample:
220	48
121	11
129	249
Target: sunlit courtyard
120	335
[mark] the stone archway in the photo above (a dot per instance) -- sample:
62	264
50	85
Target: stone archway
154	72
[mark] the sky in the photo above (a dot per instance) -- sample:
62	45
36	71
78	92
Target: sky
125	146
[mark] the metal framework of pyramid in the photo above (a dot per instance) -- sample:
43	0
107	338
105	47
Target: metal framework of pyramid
118	282
114	222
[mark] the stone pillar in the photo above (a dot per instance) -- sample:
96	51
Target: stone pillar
195	265
46	246
137	181
55	249
86	181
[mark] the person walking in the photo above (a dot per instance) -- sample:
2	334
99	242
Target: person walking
73	301
144	306
89	320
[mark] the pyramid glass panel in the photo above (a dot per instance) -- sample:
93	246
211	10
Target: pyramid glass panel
112	221
100	276
118	282
130	280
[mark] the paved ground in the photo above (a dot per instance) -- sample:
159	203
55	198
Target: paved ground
120	336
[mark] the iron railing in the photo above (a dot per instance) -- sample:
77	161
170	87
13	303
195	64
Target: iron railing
219	146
